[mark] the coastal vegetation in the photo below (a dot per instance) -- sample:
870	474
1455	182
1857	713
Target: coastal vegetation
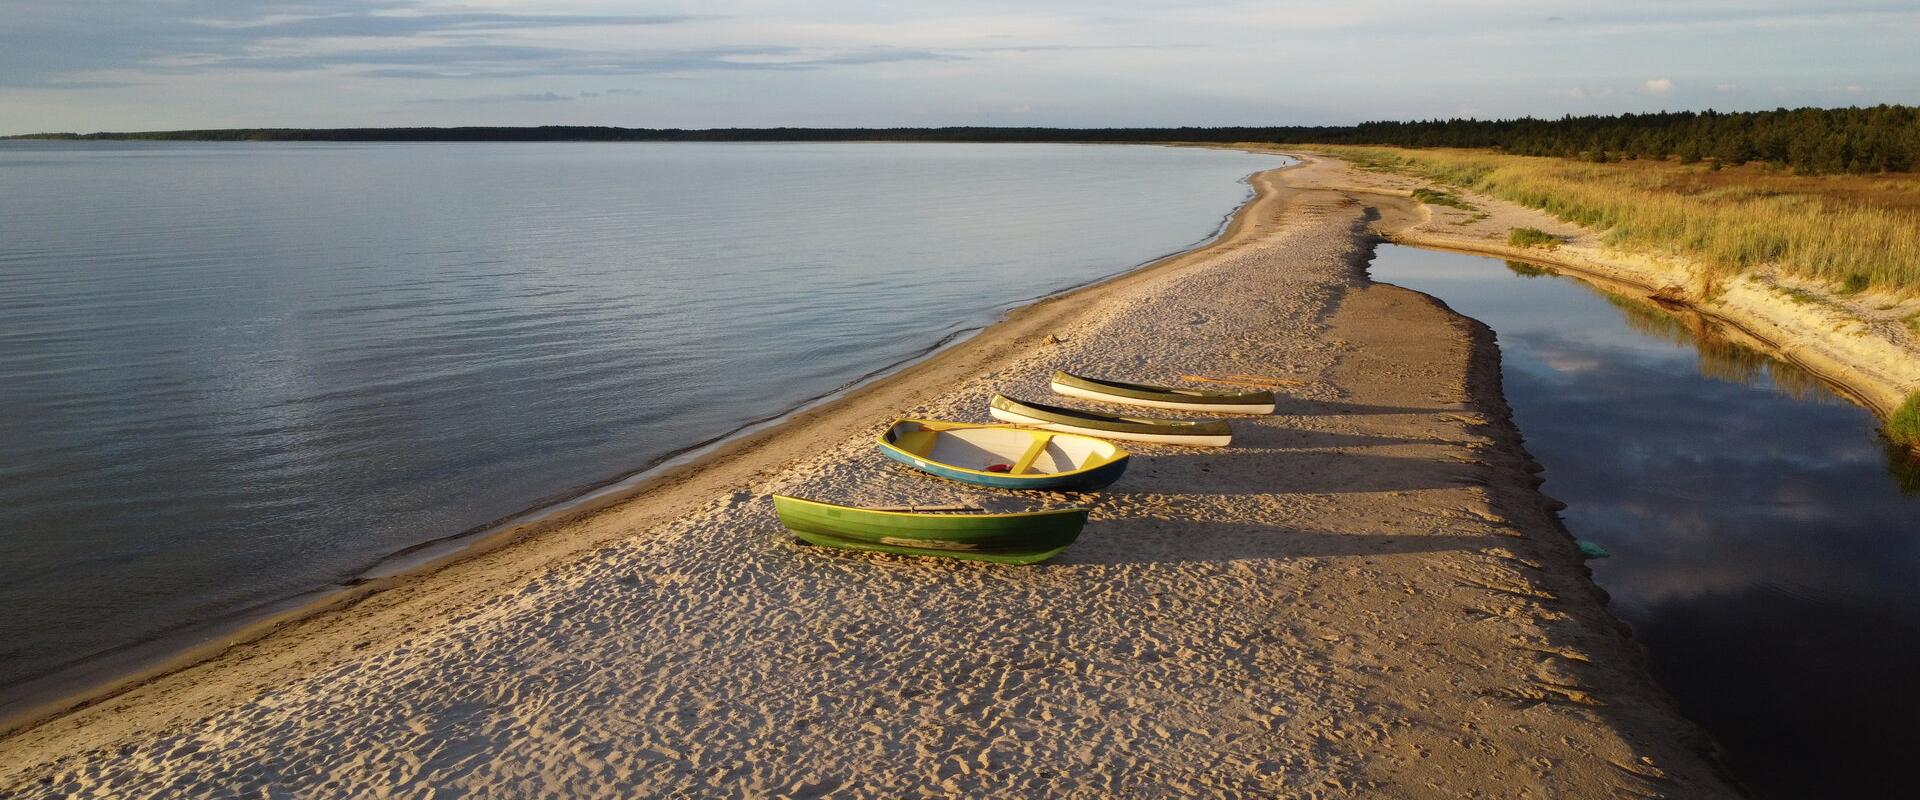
1532	237
1903	427
1808	141
1440	198
1851	232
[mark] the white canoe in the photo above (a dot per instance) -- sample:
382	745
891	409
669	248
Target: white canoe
1141	394
1210	433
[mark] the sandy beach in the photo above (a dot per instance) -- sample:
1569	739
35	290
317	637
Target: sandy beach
1365	596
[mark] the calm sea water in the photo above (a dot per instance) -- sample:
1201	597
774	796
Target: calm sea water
1766	545
230	373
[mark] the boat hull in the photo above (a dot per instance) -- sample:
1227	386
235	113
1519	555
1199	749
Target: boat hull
1214	434
1016	538
1139	394
1071	463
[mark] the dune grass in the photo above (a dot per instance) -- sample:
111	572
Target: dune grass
1904	426
1436	197
1533	237
1851	232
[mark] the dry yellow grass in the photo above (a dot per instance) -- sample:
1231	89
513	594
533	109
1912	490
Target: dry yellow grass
1848	231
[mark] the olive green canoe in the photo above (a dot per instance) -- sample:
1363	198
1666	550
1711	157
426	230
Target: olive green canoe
1141	394
1210	433
1025	537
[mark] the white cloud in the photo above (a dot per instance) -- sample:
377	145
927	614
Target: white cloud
699	63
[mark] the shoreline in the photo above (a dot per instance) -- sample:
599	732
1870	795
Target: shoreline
102	675
1393	466
1875	370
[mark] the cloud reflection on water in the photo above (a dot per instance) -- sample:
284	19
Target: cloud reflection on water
1766	541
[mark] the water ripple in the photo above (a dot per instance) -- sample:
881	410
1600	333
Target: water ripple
229	373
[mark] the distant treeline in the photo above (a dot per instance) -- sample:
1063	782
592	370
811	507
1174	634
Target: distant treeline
1810	140
582	133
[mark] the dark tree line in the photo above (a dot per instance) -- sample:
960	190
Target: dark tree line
581	133
1810	140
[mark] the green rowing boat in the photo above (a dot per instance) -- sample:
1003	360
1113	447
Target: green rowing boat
1025	537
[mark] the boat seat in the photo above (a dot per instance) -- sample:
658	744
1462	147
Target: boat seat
1034	450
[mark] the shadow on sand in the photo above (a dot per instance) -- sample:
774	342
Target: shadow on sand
1144	540
1247	471
1277	438
1302	407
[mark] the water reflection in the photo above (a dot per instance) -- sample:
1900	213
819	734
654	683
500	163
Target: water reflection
1725	353
232	373
1904	465
1764	535
1526	270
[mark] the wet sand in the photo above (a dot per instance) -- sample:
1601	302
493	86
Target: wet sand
1365	596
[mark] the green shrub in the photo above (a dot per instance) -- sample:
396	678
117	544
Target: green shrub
1435	197
1903	428
1854	284
1532	237
1801	296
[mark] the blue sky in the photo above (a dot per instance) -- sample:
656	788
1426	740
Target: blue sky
85	65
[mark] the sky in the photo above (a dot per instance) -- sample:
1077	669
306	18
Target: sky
88	65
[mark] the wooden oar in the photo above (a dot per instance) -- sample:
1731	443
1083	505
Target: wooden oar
928	509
